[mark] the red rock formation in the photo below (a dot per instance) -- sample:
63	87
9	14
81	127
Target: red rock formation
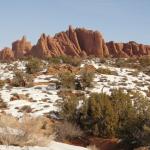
130	49
74	42
21	47
6	54
78	42
92	42
68	42
41	48
116	49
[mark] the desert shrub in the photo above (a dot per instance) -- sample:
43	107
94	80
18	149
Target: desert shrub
122	105
68	107
98	115
74	61
21	79
26	109
67	131
34	65
123	115
127	63
2	83
2	103
104	71
54	60
67	80
86	79
145	65
144	61
133	130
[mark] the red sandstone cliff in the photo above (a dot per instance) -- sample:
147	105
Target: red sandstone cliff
75	42
21	47
6	54
129	49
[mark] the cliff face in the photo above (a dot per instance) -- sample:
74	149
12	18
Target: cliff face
130	49
21	47
6	54
75	42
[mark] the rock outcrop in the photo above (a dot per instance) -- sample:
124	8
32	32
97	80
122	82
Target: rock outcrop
92	42
6	54
75	42
78	42
130	49
116	49
21	48
82	42
46	47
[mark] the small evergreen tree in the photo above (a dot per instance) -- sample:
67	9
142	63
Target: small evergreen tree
99	115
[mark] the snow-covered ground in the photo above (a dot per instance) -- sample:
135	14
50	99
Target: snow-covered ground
125	78
42	98
53	146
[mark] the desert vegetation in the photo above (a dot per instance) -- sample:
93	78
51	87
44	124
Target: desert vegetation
105	71
86	79
70	81
141	63
33	65
74	61
21	79
66	131
2	83
77	112
67	80
122	115
27	132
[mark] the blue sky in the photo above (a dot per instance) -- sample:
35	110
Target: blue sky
118	20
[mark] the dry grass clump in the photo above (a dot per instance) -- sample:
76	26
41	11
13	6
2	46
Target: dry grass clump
22	79
67	131
92	147
26	132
